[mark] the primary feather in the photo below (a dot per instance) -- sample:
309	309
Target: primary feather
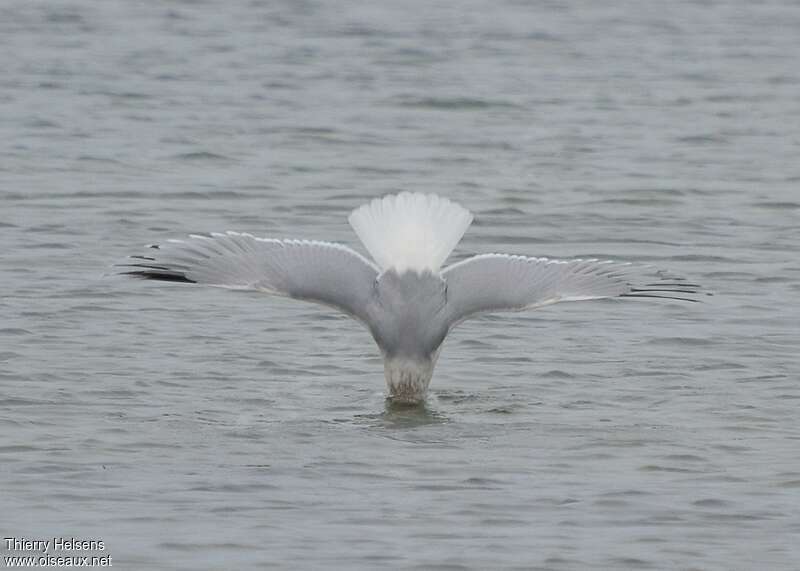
500	282
323	272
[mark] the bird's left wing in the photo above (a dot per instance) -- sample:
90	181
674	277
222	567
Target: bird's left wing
499	282
322	272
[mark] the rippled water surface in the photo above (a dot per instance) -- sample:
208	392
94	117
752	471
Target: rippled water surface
195	428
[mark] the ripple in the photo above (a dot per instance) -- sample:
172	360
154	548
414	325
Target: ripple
711	503
557	374
453	103
681	341
777	205
201	156
14	331
660	468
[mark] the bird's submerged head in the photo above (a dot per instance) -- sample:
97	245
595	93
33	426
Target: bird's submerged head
407	379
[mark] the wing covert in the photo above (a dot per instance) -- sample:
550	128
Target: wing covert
322	272
499	282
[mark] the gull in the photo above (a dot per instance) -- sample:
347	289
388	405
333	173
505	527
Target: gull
403	296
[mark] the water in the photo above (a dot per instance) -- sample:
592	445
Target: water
192	428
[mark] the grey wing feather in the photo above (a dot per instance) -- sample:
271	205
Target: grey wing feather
499	282
322	272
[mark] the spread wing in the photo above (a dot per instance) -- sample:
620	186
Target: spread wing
322	272
499	282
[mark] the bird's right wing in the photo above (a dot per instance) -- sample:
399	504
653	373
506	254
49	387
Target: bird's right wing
499	282
322	272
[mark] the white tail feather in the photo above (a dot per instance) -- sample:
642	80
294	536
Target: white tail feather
410	231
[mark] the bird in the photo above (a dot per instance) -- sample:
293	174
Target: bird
404	296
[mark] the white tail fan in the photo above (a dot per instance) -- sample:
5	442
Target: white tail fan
410	231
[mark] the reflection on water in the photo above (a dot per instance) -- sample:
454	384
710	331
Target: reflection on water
403	415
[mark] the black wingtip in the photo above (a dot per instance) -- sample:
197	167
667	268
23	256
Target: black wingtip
148	267
158	275
667	286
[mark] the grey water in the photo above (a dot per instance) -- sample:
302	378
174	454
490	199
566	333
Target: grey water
193	428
